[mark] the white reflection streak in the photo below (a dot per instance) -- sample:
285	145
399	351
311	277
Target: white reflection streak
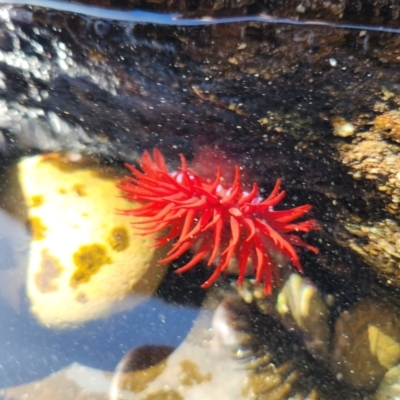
138	16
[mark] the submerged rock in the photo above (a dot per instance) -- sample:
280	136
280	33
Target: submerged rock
389	388
300	302
264	93
70	81
367	343
371	157
75	382
229	354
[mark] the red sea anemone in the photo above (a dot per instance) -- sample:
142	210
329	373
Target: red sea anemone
213	219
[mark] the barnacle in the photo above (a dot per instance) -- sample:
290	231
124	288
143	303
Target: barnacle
213	219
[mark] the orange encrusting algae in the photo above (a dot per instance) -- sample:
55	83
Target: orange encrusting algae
213	219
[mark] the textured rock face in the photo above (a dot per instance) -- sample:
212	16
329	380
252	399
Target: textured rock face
264	93
73	81
314	105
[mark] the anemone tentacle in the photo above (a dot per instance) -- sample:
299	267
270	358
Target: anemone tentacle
213	219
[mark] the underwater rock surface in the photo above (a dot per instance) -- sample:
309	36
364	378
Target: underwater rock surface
75	382
108	88
222	357
367	343
374	156
314	105
389	389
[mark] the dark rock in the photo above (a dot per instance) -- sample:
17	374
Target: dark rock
264	93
